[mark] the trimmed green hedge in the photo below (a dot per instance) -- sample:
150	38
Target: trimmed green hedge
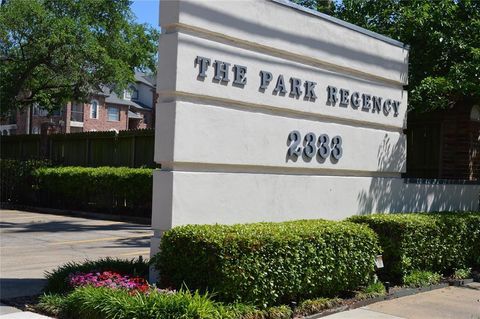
268	263
17	180
98	187
438	242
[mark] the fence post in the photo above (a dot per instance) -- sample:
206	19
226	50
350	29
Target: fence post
87	151
134	145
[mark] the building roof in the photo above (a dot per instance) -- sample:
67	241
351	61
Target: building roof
147	79
112	98
133	115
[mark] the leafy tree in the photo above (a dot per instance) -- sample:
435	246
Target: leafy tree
325	6
53	51
444	39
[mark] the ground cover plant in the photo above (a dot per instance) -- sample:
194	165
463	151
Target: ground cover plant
268	263
435	242
420	278
375	289
117	288
462	273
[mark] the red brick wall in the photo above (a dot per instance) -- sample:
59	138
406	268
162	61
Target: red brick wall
102	123
37	121
135	124
453	149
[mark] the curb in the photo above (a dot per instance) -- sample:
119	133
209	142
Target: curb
77	213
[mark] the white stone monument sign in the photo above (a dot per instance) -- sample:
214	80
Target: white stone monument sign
269	112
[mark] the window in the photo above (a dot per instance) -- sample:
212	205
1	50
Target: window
38	110
131	93
145	118
77	112
134	94
35	130
57	112
94	109
113	113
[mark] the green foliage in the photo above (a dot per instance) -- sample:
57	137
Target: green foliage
313	306
421	278
16	179
463	273
242	311
438	242
81	185
57	279
268	263
106	303
444	39
376	289
54	51
325	6
52	304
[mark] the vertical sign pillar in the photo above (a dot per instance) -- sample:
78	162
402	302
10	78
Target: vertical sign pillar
270	112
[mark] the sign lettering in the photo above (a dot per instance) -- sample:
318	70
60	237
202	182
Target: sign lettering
297	88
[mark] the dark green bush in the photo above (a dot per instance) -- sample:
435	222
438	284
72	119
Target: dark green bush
268	263
57	278
17	180
107	188
438	242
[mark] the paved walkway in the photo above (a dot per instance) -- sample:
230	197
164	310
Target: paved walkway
33	243
446	303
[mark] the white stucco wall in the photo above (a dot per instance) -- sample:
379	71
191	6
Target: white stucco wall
223	147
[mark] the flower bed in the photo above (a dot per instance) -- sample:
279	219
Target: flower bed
108	279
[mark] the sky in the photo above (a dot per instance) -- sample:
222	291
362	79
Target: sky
146	11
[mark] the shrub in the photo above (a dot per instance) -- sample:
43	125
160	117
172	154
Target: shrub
16	179
268	263
438	242
99	187
420	278
58	280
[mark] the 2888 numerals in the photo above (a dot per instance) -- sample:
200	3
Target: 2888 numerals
322	146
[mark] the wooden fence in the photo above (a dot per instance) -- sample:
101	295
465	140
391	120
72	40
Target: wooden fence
126	148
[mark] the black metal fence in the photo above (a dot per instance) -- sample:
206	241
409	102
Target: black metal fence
91	149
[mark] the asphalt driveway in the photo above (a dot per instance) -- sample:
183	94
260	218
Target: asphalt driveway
32	243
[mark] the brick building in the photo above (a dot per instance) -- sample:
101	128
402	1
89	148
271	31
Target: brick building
106	111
